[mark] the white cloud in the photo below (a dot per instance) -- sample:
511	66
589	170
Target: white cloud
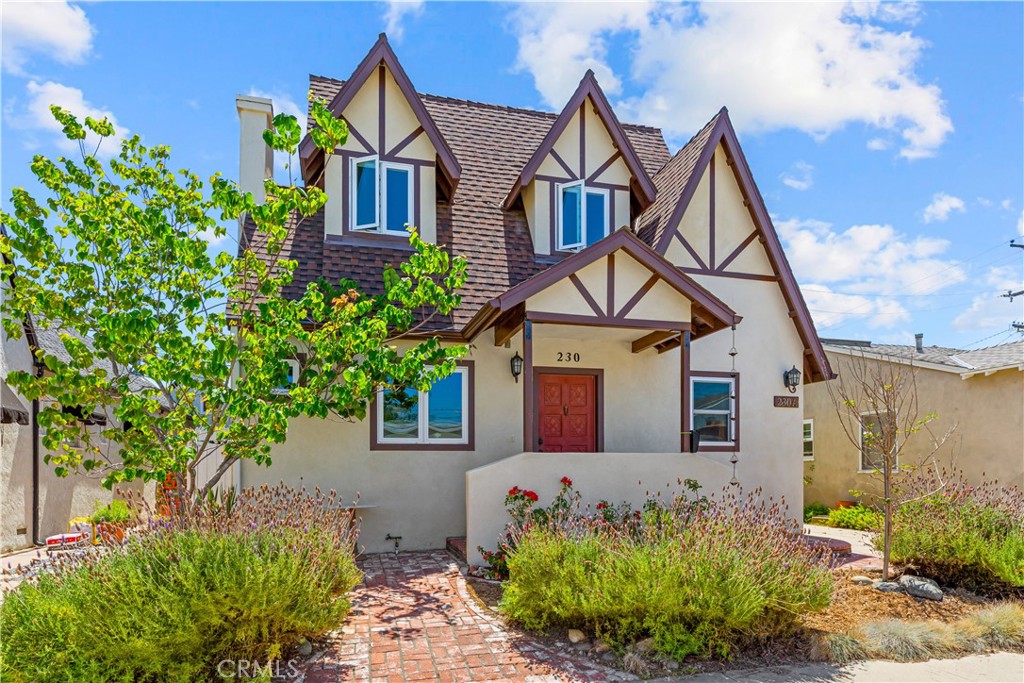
941	206
284	104
801	177
879	144
1006	204
55	29
815	67
984	201
830	308
992	311
395	14
37	116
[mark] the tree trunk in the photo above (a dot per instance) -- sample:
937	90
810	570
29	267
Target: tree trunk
887	522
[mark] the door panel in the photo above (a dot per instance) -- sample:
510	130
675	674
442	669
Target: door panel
567	407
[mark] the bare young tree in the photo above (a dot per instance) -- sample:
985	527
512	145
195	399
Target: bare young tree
876	399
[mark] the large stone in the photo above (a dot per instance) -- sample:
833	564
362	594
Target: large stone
862	580
576	636
888	586
920	587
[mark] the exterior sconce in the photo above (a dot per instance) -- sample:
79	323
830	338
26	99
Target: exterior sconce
517	366
792	379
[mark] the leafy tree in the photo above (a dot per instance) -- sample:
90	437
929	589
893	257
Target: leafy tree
188	352
876	401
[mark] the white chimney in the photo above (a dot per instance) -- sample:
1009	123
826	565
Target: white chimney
256	159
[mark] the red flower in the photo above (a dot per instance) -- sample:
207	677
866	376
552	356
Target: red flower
531	495
513	491
602	505
566	481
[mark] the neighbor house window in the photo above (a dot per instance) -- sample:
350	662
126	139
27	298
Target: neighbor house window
872	454
581	215
381	196
808	439
439	416
713	403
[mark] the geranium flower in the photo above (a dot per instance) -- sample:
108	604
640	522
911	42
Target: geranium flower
566	481
513	491
531	495
602	505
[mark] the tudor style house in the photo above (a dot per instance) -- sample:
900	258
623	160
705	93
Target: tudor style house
622	302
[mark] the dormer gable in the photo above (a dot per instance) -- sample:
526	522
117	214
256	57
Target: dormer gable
394	163
584	180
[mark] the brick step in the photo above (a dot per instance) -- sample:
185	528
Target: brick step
835	545
456	545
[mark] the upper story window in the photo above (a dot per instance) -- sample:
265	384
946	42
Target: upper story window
582	216
382	195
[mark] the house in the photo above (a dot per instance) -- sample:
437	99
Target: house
980	391
34	501
620	298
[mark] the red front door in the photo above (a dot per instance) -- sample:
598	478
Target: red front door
567	413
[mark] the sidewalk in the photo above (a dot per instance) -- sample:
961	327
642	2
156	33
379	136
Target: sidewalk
1002	667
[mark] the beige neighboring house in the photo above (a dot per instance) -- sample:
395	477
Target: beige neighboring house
621	299
980	391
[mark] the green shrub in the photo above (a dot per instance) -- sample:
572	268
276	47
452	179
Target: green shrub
814	510
856	517
171	603
116	512
961	534
695	575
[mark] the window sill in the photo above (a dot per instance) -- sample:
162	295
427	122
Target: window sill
421	447
379	240
809	459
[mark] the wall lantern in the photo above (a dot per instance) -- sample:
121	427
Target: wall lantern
517	366
792	379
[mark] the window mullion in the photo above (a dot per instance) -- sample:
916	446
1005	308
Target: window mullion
424	435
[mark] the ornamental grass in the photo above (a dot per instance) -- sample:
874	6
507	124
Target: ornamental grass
239	579
696	575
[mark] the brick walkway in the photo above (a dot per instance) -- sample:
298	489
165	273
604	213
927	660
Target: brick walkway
413	620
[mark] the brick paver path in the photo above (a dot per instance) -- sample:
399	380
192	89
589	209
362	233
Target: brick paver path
413	620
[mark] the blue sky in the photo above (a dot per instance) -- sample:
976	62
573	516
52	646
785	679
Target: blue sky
887	140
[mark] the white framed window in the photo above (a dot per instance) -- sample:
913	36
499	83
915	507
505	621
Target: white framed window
438	416
381	195
808	439
581	215
713	410
292	378
872	457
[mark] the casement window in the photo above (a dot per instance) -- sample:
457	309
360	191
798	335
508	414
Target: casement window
440	416
581	215
291	378
808	439
872	456
381	196
714	410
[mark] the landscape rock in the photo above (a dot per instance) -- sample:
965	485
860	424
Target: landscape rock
920	587
601	646
888	586
305	648
672	665
862	580
608	657
576	636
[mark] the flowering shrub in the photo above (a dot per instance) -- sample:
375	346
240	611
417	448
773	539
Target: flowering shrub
857	517
693	573
241	578
961	534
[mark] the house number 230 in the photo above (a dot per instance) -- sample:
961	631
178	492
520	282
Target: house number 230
568	357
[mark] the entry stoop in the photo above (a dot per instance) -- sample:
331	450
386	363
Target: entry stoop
456	545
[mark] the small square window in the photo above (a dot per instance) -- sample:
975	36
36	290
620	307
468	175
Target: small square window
382	196
291	378
438	416
808	439
713	406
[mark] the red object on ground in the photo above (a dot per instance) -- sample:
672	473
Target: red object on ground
846	503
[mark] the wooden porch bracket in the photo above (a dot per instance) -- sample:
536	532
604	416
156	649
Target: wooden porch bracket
648	340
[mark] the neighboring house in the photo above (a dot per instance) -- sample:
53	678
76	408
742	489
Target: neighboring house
604	276
35	502
979	391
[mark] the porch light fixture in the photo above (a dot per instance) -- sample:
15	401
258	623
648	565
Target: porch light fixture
517	366
792	379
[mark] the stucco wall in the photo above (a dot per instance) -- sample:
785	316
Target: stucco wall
988	442
630	477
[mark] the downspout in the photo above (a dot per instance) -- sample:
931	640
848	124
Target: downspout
35	472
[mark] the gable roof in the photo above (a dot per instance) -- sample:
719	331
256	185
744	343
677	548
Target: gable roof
963	362
311	157
677	182
621	240
493	143
641	183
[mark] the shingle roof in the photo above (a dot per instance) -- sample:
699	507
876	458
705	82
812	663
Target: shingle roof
670	182
492	144
961	360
